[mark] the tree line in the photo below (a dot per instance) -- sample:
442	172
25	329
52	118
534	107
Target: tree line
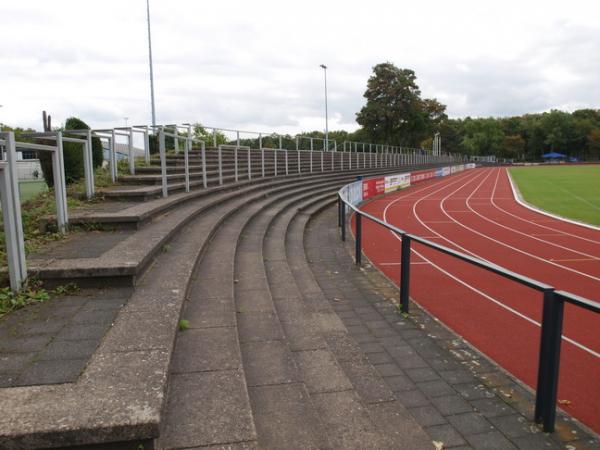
396	114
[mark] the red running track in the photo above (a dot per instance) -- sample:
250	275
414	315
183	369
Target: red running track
475	212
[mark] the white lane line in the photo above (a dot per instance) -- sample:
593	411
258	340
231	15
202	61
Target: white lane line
412	263
554	244
504	244
518	198
486	296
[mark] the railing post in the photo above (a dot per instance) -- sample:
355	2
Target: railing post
186	162
220	160
262	160
405	274
11	215
275	160
280	143
235	163
238	138
163	161
299	161
343	220
322	164
146	145
203	155
249	164
214	137
549	360
358	240
131	152
339	205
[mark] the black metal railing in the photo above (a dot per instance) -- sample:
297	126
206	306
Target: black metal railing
552	312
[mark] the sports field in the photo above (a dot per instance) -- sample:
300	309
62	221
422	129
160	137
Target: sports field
569	191
29	189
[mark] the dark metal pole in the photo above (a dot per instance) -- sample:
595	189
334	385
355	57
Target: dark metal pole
339	211
358	250
549	361
343	221
540	400
404	273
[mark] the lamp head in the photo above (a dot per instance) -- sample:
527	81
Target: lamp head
323	66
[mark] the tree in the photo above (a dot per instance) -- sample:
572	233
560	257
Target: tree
513	146
395	113
593	144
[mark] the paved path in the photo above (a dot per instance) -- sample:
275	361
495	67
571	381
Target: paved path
453	391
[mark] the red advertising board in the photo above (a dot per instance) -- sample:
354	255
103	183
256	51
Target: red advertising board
373	187
421	175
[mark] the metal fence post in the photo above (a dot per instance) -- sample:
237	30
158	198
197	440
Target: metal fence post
238	138
11	213
262	159
299	162
405	273
235	163
322	166
220	161
146	145
60	188
131	153
163	161
249	164
186	162
343	220
275	160
113	157
214	137
286	162
203	155
549	360
358	240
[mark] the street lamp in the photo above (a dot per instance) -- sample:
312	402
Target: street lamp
126	119
150	62
324	67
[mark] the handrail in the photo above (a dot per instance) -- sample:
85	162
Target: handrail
553	306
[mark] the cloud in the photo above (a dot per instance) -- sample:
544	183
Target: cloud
255	65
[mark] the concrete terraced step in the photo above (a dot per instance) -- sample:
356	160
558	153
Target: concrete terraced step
290	375
125	258
120	395
208	399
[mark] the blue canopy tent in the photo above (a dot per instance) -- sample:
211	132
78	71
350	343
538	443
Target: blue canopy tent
553	155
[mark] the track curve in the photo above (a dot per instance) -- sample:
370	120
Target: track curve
475	212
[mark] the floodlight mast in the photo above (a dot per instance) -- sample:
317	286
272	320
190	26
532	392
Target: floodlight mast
150	62
324	67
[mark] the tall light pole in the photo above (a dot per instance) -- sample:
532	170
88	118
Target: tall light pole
126	119
324	67
150	61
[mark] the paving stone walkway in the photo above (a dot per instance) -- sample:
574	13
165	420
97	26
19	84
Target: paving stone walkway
51	342
452	390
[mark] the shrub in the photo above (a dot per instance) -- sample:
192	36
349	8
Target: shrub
73	155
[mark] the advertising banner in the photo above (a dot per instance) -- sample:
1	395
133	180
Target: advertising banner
471	166
421	175
445	171
355	192
398	181
439	172
373	187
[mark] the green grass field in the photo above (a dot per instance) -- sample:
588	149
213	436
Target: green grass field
569	191
29	189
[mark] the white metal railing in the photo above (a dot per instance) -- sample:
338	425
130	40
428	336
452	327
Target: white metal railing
11	213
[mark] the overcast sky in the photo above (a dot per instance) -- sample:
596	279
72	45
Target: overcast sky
255	64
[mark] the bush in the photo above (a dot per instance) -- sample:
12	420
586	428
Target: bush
73	155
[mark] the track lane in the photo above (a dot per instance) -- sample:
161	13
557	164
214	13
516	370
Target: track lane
435	286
